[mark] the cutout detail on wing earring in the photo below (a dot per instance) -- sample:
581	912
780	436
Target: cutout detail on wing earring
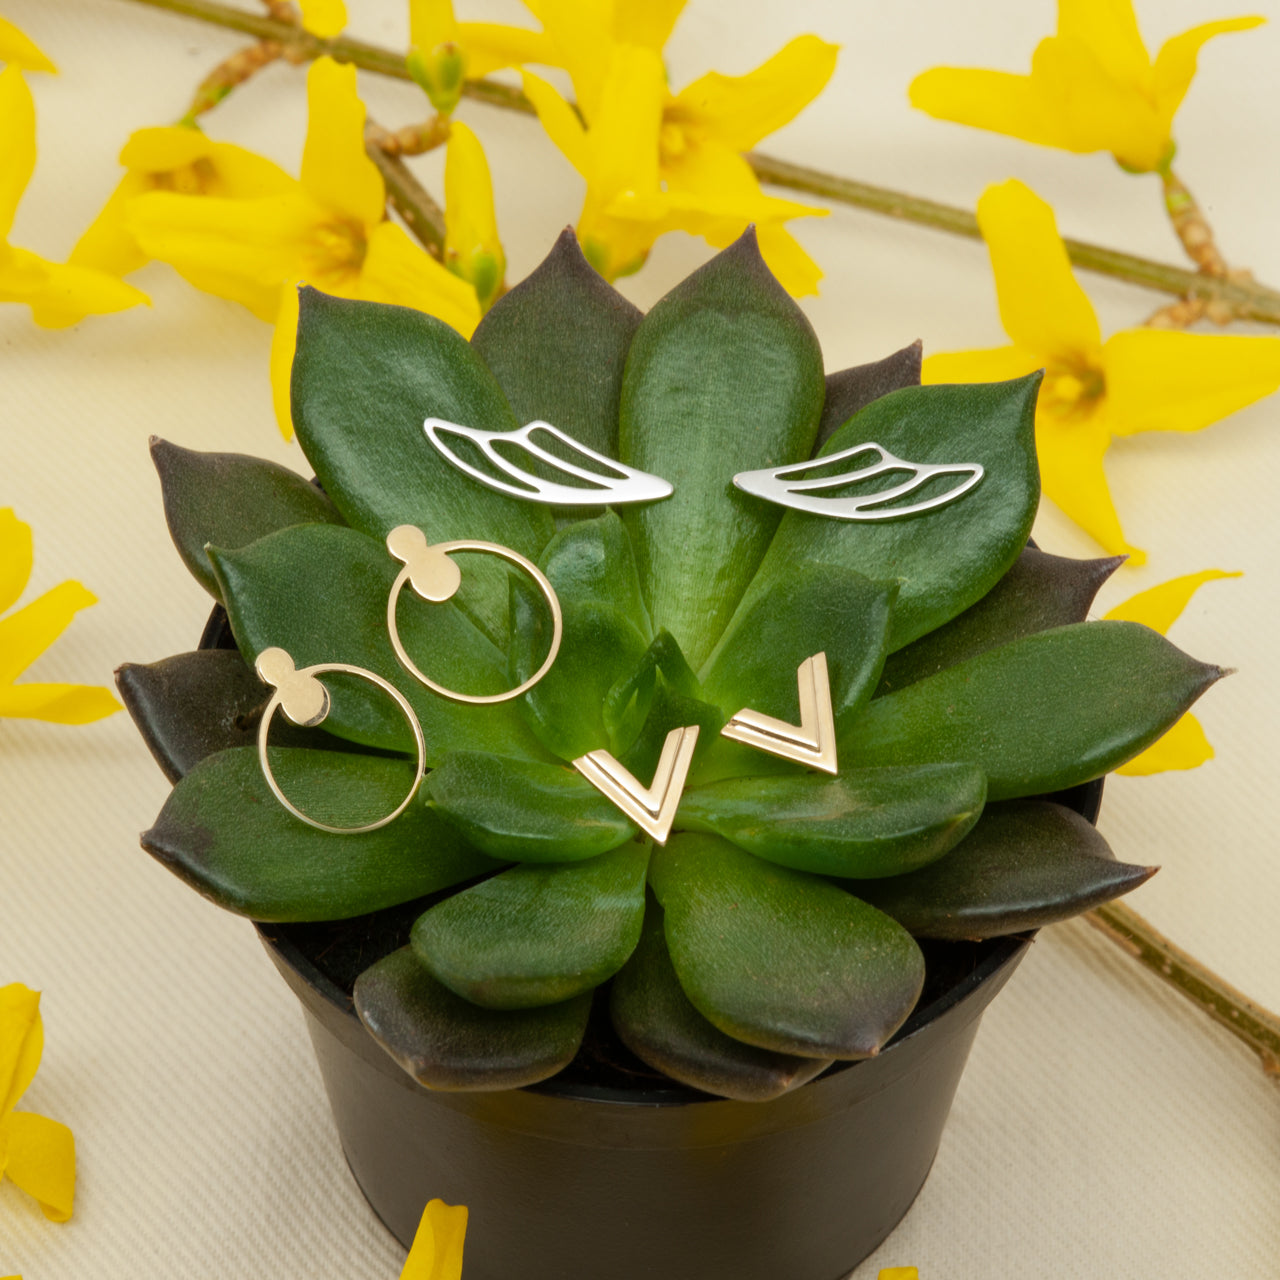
604	482
813	741
305	701
651	808
436	578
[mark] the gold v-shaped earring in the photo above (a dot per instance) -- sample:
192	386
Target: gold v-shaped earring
651	808
813	741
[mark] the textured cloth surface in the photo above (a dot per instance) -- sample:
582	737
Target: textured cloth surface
1103	1128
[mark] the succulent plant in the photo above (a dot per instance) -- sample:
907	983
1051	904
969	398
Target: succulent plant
776	930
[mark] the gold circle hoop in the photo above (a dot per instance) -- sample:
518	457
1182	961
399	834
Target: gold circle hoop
280	699
435	553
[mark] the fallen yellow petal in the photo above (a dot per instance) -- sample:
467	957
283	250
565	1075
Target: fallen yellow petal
899	1273
323	18
437	1245
58	703
1163	380
1043	309
21	1042
1161	606
16	556
20	50
17	142
42	1162
26	634
1183	747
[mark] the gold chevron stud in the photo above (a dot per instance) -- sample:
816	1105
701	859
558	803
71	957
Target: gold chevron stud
652	808
813	741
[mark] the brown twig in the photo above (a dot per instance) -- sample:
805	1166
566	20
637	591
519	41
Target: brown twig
1257	1027
412	139
406	195
230	73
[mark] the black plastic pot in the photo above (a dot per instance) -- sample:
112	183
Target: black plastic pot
603	1173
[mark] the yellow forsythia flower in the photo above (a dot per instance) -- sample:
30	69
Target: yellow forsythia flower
1184	746
1092	87
326	230
472	249
1138	380
444	53
36	1154
899	1273
26	634
57	293
173	158
655	161
323	18
19	50
437	1246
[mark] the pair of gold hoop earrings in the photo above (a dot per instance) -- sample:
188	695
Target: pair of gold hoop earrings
434	577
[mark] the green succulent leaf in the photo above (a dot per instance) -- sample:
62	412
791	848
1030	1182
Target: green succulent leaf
779	959
592	569
226	835
817	608
1044	713
557	344
1026	864
655	1020
852	389
535	936
231	500
864	823
524	810
724	374
365	377
193	704
320	593
1039	593
950	557
445	1042
671	709
628	703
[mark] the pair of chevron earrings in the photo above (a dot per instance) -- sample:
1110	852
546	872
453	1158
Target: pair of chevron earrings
594	480
434	577
653	808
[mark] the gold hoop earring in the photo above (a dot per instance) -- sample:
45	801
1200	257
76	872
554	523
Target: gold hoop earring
436	578
305	702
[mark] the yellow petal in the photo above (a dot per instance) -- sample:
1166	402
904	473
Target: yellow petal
240	174
1110	30
431	23
783	254
42	1161
562	125
336	172
16	554
17	142
994	100
740	110
899	1273
990	364
21	1043
65	293
323	18
1163	380
645	22
1093	110
164	147
581	32
237	249
107	243
1042	307
228	170
1161	606
490	46
1176	62
400	271
284	342
436	1253
26	634
20	50
1183	747
1072	478
472	248
59	703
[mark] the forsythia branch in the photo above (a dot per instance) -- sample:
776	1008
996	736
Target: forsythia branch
407	196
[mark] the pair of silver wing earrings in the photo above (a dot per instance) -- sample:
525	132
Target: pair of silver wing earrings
435	578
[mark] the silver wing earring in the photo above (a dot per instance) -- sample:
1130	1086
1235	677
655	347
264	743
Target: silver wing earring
601	481
780	485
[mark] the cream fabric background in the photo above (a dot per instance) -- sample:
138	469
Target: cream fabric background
1103	1128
